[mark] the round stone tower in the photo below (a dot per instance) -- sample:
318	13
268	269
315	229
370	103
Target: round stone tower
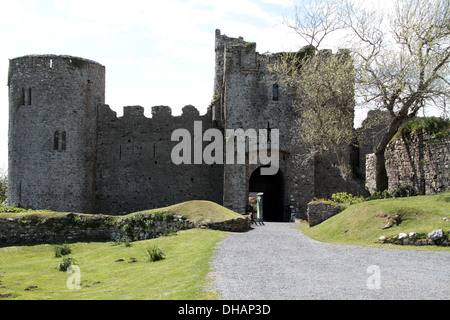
53	104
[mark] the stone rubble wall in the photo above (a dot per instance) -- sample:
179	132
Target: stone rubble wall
435	237
72	227
420	161
318	212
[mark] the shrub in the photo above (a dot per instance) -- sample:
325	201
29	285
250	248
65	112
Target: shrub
163	216
346	198
379	195
62	250
3	188
66	263
405	191
154	254
125	240
436	126
12	209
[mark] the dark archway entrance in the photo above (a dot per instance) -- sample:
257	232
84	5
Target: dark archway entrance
272	187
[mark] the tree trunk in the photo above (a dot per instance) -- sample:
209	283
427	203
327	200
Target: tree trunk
381	177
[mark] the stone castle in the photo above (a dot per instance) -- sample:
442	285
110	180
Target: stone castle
68	151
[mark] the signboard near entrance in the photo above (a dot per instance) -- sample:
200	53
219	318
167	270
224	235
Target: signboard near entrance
259	206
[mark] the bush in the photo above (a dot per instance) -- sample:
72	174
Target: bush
436	126
62	250
379	195
66	263
125	240
154	254
405	191
12	209
3	191
346	198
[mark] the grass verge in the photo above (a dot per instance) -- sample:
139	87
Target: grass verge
113	272
363	223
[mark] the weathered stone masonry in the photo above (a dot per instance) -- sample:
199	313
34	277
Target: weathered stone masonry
417	160
40	228
68	151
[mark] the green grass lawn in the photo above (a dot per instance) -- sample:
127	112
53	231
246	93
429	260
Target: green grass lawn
181	275
362	224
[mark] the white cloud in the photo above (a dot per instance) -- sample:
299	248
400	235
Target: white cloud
154	52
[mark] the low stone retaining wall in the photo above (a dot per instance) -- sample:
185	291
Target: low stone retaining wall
434	238
318	212
234	225
40	229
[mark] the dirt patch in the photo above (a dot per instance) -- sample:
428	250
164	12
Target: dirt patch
31	288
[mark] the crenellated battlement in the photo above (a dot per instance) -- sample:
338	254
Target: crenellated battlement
189	112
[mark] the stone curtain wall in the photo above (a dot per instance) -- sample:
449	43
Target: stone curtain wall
134	167
416	160
71	227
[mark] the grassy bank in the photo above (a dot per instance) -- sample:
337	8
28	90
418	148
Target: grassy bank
363	223
198	211
181	275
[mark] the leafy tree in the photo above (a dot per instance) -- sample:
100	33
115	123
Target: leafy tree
3	186
324	85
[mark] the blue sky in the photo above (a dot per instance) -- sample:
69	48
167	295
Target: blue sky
155	52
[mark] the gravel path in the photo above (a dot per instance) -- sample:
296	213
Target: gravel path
277	261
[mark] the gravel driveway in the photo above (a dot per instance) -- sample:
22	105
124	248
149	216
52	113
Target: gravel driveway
276	261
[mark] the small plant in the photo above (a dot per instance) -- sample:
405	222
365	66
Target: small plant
154	254
66	263
346	198
62	250
12	209
379	195
125	240
405	191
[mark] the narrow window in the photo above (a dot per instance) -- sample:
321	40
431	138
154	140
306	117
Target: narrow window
154	150
63	144
22	98
275	92
56	140
29	96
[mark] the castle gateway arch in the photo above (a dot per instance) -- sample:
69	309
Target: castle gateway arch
272	187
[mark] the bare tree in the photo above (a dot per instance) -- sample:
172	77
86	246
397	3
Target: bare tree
401	61
402	64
